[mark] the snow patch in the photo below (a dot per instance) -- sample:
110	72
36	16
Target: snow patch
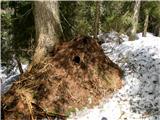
8	79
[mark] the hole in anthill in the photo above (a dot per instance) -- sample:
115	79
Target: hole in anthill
76	59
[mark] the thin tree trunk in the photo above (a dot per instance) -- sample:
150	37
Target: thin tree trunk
146	24
48	28
97	19
159	32
135	20
101	12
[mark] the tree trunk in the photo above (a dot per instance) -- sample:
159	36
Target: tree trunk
97	19
101	12
48	28
146	24
135	20
159	31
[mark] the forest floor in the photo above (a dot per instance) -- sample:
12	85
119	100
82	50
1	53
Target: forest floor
139	98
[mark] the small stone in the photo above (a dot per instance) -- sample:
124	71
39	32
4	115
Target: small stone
150	93
155	82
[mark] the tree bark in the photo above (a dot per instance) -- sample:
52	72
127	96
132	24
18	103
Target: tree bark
101	12
135	20
159	31
146	24
48	28
97	19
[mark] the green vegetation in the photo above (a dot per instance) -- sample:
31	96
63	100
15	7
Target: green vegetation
71	110
77	18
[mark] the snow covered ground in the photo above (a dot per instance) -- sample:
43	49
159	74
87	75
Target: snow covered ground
8	79
139	98
4	76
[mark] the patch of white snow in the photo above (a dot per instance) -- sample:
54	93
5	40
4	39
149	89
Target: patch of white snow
8	79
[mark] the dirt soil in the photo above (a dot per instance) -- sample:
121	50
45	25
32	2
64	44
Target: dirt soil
76	75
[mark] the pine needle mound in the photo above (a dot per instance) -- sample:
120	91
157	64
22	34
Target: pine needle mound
77	75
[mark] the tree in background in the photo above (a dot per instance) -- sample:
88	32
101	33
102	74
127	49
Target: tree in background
77	18
6	35
17	32
25	23
97	19
116	16
154	21
135	20
84	19
146	23
149	16
68	12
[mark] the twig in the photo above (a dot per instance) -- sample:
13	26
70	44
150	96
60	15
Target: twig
19	65
49	113
68	22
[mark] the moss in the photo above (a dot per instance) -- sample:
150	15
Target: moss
17	114
53	113
71	110
35	95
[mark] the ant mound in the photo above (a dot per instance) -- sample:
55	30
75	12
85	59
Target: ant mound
76	75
